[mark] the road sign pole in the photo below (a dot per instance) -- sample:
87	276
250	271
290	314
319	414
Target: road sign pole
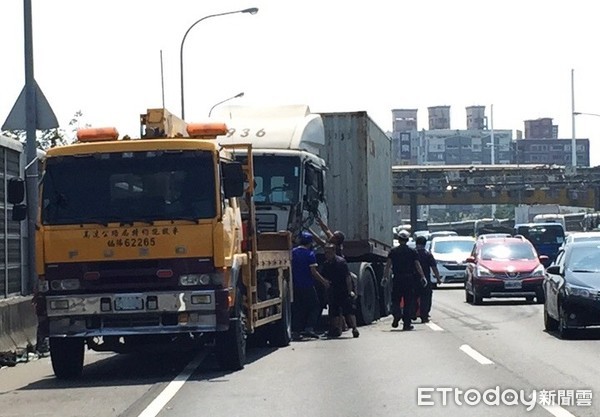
31	176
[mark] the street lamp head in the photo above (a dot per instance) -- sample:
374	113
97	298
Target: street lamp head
238	95
252	10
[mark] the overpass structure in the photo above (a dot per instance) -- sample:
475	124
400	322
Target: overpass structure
416	185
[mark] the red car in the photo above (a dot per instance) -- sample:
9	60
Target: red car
504	267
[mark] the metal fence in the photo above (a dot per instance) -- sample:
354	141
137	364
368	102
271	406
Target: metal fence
12	234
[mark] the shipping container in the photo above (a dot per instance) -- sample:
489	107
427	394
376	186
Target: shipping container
359	178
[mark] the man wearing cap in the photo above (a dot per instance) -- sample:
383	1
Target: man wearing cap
306	306
408	276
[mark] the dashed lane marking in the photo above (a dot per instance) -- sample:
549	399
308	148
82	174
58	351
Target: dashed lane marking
434	327
476	355
175	385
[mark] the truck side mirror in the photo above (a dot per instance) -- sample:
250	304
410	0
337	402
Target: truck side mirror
16	190
233	179
310	176
19	212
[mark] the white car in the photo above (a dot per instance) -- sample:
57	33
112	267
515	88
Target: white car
580	237
451	253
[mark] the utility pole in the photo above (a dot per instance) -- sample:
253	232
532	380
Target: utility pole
30	112
573	140
493	149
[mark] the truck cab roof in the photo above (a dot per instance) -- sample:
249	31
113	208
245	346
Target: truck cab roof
273	127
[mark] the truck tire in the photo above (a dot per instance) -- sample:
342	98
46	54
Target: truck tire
367	302
385	299
231	345
66	355
280	332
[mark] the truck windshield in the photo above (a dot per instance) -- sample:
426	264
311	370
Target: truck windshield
127	187
277	179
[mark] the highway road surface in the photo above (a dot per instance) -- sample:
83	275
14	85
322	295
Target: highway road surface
492	360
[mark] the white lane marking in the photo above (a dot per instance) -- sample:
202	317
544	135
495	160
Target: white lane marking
476	355
434	327
557	411
170	390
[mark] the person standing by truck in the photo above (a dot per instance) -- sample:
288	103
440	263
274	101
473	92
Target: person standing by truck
428	264
341	295
305	308
337	240
403	261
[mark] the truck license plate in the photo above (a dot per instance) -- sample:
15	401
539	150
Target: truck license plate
129	302
512	285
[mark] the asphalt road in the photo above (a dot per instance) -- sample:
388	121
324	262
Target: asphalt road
495	350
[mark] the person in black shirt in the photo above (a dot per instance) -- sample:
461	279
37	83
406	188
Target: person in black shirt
428	264
341	296
406	268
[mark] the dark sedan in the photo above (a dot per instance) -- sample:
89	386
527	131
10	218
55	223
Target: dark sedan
572	288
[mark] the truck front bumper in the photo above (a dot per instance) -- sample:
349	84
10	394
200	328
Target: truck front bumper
123	314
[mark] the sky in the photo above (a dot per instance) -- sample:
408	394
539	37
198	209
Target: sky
104	58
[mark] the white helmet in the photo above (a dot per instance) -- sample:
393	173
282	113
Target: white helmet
403	235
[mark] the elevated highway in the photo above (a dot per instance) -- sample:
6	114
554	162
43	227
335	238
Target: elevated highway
416	185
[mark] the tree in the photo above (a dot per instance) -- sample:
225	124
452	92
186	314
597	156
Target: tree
51	137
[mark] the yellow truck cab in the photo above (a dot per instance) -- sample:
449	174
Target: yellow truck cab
143	240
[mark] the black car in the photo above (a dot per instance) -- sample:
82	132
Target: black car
572	289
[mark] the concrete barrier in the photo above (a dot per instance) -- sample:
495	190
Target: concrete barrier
18	323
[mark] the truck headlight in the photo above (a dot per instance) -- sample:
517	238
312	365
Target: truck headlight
59	304
65	284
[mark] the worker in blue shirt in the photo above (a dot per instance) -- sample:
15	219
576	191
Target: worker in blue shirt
306	306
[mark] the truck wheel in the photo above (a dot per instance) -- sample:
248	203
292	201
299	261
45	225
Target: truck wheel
66	354
367	301
231	345
385	299
280	333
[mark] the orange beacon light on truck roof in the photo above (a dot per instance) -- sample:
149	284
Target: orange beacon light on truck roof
97	134
206	130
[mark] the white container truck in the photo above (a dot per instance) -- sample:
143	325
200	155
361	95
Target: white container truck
334	164
525	213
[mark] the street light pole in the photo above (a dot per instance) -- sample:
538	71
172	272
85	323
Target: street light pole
492	134
31	122
252	10
238	95
573	141
493	149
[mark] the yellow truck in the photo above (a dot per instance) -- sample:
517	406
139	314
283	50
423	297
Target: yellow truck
143	241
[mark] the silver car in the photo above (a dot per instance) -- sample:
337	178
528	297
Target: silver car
451	253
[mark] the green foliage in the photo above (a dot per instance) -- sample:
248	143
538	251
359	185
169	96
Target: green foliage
51	137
